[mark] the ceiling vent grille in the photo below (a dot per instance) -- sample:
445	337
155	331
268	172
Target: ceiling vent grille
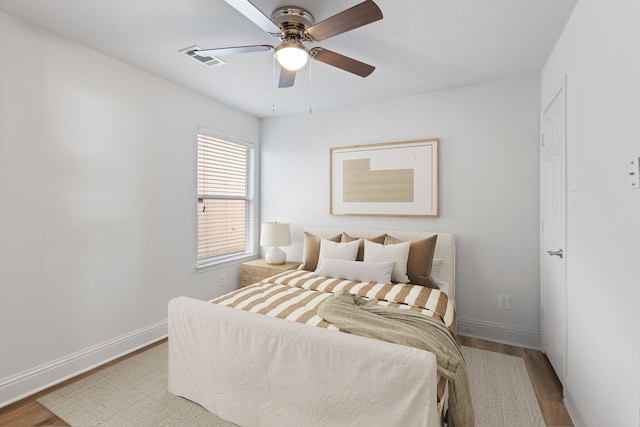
209	61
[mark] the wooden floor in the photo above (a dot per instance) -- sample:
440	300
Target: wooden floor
28	412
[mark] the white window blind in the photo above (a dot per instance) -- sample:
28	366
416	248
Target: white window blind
225	199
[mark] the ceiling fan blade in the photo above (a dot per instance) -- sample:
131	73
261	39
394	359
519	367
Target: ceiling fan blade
287	78
357	16
222	51
255	15
343	62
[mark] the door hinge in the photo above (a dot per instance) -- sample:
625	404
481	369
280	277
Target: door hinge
542	226
542	139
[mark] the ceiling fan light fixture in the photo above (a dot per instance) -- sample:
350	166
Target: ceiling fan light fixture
292	55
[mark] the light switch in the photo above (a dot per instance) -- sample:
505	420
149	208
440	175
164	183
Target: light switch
634	173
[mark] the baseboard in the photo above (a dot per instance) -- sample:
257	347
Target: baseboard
506	334
576	411
33	380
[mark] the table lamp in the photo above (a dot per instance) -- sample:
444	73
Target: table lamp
273	235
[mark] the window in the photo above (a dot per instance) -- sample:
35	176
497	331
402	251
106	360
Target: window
225	199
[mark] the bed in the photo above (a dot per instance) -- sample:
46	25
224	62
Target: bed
236	357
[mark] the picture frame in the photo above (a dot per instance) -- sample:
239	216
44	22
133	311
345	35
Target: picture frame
385	179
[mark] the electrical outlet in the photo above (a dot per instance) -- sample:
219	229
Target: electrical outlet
223	279
504	302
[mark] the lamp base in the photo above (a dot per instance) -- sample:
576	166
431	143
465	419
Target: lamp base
275	256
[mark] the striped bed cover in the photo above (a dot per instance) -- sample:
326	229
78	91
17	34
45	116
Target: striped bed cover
296	295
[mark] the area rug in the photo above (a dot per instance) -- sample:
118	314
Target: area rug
501	390
134	393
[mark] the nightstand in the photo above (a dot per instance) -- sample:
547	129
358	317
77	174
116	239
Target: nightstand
258	269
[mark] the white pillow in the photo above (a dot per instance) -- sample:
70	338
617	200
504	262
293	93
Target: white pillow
348	251
379	272
435	268
398	254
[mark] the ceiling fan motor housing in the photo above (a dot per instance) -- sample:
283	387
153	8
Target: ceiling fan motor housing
293	21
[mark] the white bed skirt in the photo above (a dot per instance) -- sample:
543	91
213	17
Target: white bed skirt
254	370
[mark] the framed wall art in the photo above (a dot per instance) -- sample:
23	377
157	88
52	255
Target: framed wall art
385	179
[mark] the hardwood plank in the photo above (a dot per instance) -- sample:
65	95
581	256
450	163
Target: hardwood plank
28	412
491	346
548	389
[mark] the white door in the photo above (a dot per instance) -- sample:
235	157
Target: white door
553	213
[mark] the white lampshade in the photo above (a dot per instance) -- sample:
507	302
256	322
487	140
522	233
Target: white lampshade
292	56
274	234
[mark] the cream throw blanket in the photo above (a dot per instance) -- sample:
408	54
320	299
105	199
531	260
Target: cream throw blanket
359	316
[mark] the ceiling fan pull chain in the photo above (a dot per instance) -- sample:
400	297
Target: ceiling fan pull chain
273	83
310	92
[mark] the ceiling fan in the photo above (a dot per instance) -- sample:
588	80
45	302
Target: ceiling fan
294	26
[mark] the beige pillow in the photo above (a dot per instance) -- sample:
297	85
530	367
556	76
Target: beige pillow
359	271
347	250
420	259
398	254
360	257
311	251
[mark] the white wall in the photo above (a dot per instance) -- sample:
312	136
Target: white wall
599	55
489	188
97	205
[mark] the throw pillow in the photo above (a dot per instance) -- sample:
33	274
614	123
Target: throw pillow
311	251
397	253
378	272
360	257
330	249
420	259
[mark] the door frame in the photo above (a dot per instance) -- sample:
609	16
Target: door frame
560	90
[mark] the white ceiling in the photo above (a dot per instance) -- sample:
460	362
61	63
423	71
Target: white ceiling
419	46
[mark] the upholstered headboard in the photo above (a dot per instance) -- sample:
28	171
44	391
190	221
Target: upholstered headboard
445	249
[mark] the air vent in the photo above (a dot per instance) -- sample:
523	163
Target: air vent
209	61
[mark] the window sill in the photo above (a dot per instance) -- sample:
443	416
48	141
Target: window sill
223	262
